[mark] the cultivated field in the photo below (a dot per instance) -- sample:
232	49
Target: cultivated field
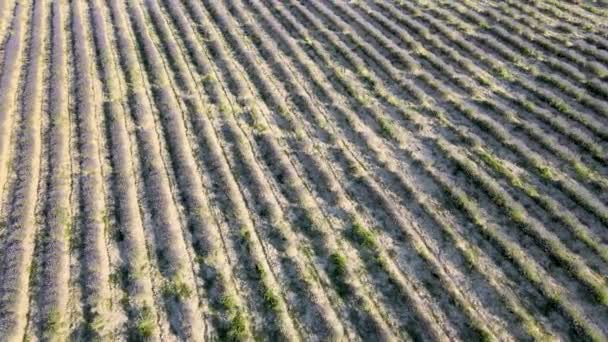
309	170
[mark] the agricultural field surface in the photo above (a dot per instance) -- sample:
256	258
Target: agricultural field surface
303	170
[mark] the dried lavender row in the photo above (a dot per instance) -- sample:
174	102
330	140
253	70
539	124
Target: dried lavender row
53	317
95	259
18	243
9	83
6	10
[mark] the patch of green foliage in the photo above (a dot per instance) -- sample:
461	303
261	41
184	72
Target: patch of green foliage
363	235
338	273
145	324
53	324
177	289
271	299
237	326
386	128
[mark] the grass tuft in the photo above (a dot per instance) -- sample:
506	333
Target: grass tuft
177	289
386	128
338	273
364	236
145	324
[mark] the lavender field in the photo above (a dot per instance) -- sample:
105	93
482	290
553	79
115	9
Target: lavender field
303	170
